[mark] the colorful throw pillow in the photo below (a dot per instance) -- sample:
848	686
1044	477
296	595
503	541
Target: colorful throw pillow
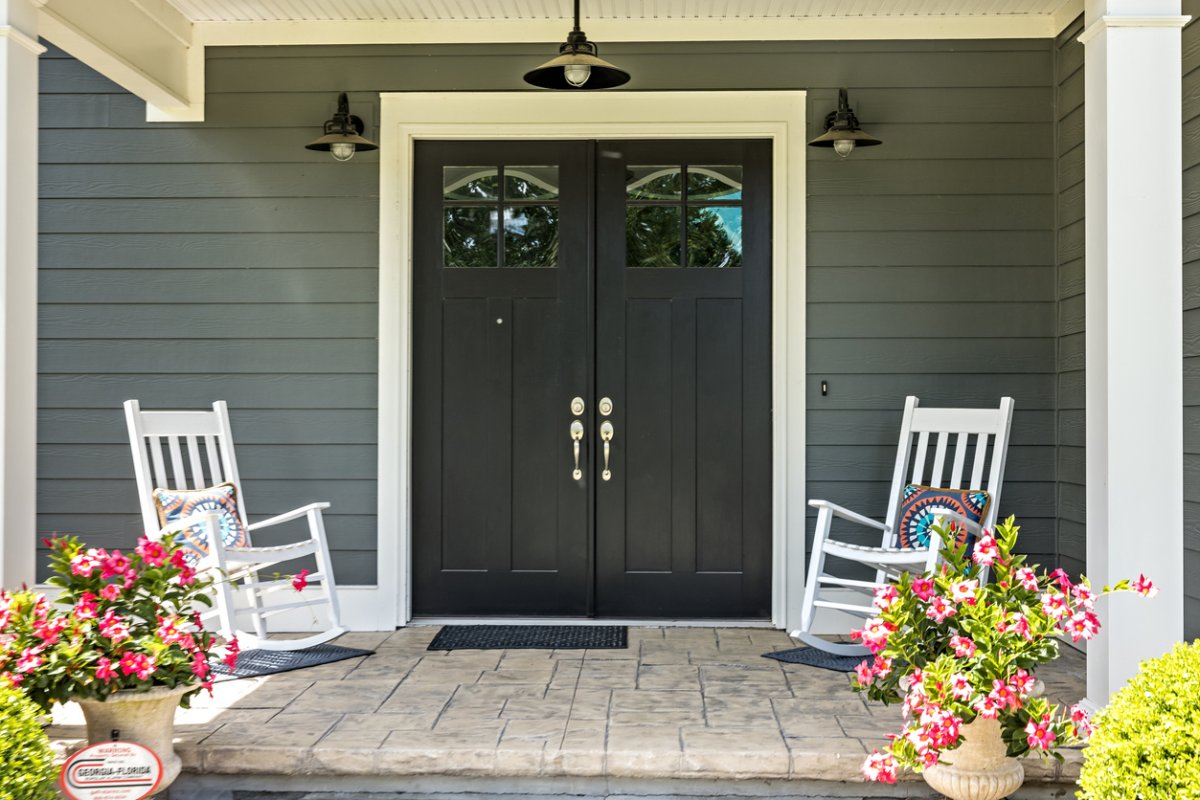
177	504
920	505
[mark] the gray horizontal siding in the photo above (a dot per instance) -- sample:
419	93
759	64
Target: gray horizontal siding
187	262
1191	319
1069	294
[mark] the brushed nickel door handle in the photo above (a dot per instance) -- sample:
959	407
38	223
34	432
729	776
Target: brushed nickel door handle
576	438
606	435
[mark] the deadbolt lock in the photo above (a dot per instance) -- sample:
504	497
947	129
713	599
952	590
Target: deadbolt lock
605	406
577	406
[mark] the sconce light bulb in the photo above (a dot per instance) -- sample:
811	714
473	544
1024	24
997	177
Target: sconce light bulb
843	147
577	74
342	151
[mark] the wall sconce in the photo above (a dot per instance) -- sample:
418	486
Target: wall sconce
343	134
841	130
577	66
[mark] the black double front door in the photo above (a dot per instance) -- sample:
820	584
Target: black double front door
592	378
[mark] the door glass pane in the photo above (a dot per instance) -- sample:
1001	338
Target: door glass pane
714	183
715	236
531	236
470	183
654	182
652	236
531	183
469	236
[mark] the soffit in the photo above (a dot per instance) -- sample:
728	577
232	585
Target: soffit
355	10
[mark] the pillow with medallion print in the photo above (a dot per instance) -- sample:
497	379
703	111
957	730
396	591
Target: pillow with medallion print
176	504
920	506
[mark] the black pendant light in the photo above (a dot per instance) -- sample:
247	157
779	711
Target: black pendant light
841	130
343	134
578	66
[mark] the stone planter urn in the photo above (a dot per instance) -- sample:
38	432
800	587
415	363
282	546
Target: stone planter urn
144	717
980	768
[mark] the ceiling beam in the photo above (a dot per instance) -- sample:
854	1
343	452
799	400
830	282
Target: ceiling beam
145	46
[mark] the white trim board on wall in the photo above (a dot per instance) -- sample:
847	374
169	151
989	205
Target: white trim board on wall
408	117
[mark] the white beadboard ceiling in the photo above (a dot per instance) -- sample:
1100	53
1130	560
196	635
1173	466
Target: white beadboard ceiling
360	10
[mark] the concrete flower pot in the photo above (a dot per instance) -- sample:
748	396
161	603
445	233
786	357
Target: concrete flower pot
980	768
144	717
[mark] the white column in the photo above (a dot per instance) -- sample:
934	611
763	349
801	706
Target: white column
19	50
1134	328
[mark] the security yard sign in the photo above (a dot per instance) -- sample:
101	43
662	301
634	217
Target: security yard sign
111	771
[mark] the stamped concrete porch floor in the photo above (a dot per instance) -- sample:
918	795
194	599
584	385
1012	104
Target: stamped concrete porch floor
683	703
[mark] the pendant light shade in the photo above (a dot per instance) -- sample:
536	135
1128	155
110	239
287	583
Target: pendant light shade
343	134
841	130
577	66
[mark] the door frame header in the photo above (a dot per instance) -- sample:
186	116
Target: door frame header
408	117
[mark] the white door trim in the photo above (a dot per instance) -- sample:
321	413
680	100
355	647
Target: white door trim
407	117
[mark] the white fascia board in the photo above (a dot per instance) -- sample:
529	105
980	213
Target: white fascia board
444	31
145	46
1066	13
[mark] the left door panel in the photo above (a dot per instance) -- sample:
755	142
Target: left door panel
502	322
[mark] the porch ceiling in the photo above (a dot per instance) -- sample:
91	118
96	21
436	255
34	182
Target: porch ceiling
155	48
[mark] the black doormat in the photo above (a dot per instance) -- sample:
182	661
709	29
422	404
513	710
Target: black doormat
531	637
253	663
813	657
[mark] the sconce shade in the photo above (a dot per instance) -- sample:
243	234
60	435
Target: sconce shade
577	66
842	126
343	134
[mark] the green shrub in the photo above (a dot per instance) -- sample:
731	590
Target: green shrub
1147	742
27	769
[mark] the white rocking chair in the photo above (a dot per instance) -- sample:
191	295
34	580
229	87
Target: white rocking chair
988	427
191	439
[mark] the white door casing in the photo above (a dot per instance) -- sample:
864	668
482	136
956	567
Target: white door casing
407	117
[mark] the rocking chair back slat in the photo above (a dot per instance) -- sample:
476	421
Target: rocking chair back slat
918	473
939	459
193	451
981	447
179	477
960	458
214	460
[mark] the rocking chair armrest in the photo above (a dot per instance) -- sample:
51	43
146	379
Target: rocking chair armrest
295	513
847	514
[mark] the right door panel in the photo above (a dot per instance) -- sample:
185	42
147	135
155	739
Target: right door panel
683	349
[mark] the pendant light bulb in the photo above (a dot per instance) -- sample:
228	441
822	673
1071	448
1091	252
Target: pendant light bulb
342	151
577	74
843	147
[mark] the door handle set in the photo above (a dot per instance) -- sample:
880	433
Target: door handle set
605	407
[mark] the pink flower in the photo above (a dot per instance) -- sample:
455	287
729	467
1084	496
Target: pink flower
986	550
1082	625
1018	624
300	581
940	609
1081	723
1023	682
85	608
104	670
168	630
137	664
863	672
874	634
231	653
1005	695
186	576
1040	734
131	578
29	660
883	666
987	707
178	560
964	591
1143	586
110	591
200	666
152	553
1061	577
84	563
886	597
923	588
1056	606
113	564
880	767
960	686
1027	578
1084	595
963	646
113	627
49	630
